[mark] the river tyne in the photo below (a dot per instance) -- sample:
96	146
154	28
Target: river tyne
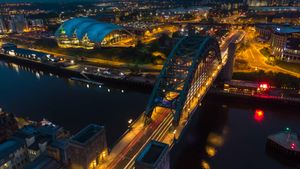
225	134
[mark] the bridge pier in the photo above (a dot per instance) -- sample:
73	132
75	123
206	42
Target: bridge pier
227	71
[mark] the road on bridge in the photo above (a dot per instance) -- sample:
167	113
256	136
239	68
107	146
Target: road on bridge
131	144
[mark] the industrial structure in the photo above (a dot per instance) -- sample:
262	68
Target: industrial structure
89	34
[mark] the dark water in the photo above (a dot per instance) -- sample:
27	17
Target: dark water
225	127
228	134
27	93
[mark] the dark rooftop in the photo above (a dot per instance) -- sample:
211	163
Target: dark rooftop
59	143
8	147
34	146
87	133
152	152
44	162
293	43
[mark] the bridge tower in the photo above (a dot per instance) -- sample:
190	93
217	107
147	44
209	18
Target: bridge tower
227	71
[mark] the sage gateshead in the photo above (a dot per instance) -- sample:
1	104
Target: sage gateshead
88	33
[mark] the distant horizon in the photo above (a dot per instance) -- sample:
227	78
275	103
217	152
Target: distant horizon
45	1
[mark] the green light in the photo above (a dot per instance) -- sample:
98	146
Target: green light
287	129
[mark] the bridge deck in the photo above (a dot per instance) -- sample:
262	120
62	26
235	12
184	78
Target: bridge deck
132	142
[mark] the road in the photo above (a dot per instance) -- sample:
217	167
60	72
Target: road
256	60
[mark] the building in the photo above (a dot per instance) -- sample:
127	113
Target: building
28	147
58	150
3	28
13	154
36	25
273	3
257	2
18	24
89	34
44	162
154	156
291	52
279	39
88	148
8	125
284	41
246	87
264	31
13	50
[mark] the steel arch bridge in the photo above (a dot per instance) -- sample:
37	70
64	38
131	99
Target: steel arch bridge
185	72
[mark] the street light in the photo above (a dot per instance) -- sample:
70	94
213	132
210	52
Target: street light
174	134
129	123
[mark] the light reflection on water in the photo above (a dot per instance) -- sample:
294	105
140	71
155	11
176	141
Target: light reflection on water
231	133
36	94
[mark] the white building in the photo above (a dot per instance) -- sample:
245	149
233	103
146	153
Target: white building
13	154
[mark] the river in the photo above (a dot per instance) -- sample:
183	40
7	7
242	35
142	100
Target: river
226	134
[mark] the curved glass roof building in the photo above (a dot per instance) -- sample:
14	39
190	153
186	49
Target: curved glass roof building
89	33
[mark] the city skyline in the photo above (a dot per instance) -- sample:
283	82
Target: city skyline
140	84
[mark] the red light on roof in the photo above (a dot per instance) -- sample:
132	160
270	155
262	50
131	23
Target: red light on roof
264	85
259	115
293	146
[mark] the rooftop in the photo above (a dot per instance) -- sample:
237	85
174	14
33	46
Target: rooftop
8	147
84	26
293	43
280	29
286	29
51	130
243	83
44	162
152	153
87	133
59	143
287	139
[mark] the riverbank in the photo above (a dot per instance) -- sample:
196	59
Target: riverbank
267	99
90	75
130	81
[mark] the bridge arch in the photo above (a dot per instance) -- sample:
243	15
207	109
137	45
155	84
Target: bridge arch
187	68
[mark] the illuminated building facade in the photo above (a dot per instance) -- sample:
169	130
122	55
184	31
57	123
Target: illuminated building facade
3	28
12	154
88	148
284	41
18	24
257	2
291	52
280	38
273	2
89	34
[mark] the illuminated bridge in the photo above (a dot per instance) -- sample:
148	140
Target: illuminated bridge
187	75
186	71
